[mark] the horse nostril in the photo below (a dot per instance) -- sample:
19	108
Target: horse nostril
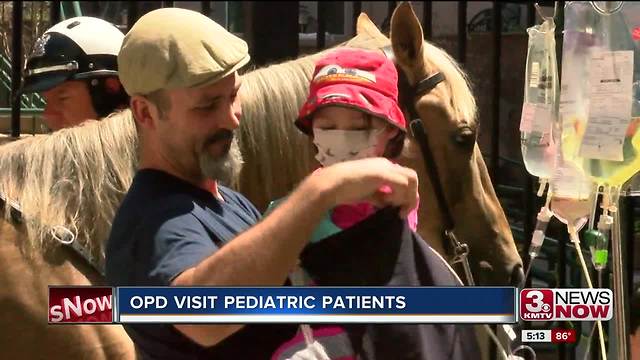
517	276
485	273
485	266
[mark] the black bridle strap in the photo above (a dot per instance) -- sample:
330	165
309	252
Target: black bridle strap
409	93
427	84
460	250
417	128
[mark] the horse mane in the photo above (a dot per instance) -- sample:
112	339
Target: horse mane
462	99
268	138
72	179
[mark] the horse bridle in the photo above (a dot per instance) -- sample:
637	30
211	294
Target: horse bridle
408	94
59	233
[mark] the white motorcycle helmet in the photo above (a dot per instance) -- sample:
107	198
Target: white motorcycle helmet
80	48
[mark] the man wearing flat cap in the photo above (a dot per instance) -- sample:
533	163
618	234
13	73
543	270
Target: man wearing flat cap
178	225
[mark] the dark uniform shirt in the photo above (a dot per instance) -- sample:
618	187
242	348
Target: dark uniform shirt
165	226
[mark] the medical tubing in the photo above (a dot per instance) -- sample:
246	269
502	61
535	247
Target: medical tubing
495	339
525	347
297	279
512	336
573	235
599	279
588	348
593	329
538	236
526	273
542	15
543	186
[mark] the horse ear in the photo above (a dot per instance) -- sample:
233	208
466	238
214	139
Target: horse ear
406	35
365	25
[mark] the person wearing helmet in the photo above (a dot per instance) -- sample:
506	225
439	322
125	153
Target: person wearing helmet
74	66
352	113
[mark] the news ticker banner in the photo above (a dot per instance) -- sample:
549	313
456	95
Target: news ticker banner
283	304
325	304
317	305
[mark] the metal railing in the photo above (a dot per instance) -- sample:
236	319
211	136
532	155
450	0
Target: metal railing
27	101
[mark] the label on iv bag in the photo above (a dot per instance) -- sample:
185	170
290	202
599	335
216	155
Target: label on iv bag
568	180
536	118
568	109
534	78
610	82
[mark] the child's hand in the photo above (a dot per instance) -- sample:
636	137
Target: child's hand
376	180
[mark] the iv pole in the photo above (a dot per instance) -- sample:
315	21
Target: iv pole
619	291
619	288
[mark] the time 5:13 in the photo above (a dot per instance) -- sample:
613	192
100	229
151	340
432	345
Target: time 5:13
535	336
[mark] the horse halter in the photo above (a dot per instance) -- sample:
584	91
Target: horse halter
60	233
407	97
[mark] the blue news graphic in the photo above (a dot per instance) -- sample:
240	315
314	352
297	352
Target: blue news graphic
317	304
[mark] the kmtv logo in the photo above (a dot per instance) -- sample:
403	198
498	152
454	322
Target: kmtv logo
566	304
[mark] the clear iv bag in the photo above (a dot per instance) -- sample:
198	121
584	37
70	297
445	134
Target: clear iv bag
572	192
540	101
600	93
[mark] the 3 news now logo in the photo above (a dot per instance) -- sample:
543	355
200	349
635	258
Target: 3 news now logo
566	304
80	304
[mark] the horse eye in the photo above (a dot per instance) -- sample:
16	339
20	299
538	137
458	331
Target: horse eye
465	136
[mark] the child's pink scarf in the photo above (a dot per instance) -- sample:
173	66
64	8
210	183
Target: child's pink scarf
345	216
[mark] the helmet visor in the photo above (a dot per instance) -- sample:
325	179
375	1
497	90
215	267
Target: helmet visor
46	77
43	82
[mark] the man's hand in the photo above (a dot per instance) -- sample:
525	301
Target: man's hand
265	253
376	180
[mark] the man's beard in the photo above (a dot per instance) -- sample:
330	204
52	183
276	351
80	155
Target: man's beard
226	168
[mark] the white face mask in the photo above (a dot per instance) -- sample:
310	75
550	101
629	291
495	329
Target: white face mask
336	146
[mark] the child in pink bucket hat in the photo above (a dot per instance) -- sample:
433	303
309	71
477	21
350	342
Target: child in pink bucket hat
352	112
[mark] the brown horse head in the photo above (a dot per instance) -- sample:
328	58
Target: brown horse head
277	156
448	112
